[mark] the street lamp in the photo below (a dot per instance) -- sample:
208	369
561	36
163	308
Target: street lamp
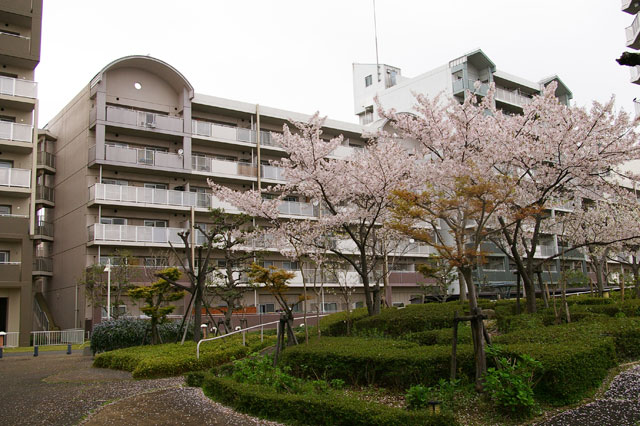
108	269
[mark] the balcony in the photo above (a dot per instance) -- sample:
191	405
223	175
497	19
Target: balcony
15	178
133	235
461	85
545	250
10	272
408	278
10	86
42	266
139	157
137	196
631	6
46	161
512	97
222	167
16	132
13	226
231	133
45	195
44	230
635	74
294	208
632	33
14	45
144	120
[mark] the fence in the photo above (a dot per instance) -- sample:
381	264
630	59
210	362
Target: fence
63	337
9	340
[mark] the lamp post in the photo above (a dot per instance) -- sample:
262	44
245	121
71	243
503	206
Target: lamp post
108	269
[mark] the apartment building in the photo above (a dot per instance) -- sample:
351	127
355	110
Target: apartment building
133	153
20	26
454	79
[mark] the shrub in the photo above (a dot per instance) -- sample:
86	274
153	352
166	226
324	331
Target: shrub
442	336
510	385
331	408
417	397
194	378
413	318
385	362
128	332
509	323
336	324
174	359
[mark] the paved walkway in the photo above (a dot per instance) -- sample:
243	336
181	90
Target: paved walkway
58	389
619	406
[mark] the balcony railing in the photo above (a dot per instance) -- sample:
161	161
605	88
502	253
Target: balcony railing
139	156
15	177
214	165
44	228
298	209
144	119
133	234
164	197
461	84
15	87
43	264
632	32
16	132
15	43
45	193
513	97
46	159
204	128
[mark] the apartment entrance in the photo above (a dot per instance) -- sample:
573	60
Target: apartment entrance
4	302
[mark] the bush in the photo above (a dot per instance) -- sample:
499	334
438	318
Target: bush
194	378
332	408
336	324
385	362
413	318
174	359
128	332
417	397
442	336
509	323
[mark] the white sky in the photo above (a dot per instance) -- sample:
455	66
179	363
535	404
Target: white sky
297	54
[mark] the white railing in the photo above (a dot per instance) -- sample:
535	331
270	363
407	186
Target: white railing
16	132
149	120
272	172
152	196
635	73
632	31
512	97
143	156
134	234
212	130
297	209
15	87
61	337
15	177
11	339
205	164
40	315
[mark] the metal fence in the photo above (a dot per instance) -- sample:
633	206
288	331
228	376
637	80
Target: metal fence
63	337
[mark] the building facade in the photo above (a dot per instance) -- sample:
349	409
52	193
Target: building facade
20	26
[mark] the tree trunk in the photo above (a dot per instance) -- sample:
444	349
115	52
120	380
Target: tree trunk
476	329
530	291
463	288
228	314
599	276
376	299
197	316
545	297
155	338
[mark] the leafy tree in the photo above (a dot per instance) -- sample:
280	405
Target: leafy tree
155	296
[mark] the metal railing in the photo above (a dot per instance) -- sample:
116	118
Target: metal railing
17	87
45	193
142	156
43	264
632	30
512	97
16	132
46	159
11	339
44	228
295	208
212	130
144	119
41	316
15	177
61	337
134	234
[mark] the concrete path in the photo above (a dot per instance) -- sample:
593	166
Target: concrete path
619	406
58	389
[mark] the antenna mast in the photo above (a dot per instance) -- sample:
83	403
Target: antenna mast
375	30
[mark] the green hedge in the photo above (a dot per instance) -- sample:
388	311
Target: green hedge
442	336
174	359
384	362
336	324
332	408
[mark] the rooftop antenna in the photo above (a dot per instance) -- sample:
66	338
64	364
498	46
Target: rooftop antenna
375	30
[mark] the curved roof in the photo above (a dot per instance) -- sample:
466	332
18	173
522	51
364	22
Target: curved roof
156	66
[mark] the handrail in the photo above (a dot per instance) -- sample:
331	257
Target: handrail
242	331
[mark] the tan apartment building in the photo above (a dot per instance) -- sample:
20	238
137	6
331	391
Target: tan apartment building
133	153
20	26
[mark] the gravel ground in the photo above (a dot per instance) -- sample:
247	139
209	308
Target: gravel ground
64	390
620	405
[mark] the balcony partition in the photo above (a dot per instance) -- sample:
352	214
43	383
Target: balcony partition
133	234
15	87
16	132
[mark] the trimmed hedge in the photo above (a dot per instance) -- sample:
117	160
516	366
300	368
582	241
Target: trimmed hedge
336	324
332	408
443	336
384	362
128	332
174	359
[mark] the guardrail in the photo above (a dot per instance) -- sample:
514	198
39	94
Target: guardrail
16	132
16	87
244	330
61	337
15	177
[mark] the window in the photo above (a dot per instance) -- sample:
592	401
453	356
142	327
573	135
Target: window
4	256
120	182
113	220
368	81
290	266
156	261
156	223
5	210
267	308
156	185
116	144
330	307
494	264
392	77
115	311
6	164
291	198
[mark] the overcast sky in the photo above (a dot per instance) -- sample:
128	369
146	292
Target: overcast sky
297	54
